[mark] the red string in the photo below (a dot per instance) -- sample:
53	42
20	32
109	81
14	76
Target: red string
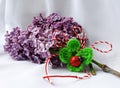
83	38
66	76
102	42
60	76
46	68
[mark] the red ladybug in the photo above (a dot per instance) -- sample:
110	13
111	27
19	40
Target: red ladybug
75	61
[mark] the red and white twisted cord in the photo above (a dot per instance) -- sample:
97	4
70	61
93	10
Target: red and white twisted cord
82	37
101	42
62	76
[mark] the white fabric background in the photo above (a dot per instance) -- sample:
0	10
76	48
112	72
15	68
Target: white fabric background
99	18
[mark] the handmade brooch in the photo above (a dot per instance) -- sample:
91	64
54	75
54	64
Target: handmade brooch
74	56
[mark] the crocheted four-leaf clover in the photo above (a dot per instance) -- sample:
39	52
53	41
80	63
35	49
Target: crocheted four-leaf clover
74	56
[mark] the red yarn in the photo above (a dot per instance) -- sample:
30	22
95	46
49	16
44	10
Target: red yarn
102	42
60	76
46	68
82	38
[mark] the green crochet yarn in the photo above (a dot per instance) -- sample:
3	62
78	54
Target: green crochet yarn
73	44
86	54
78	53
65	55
75	69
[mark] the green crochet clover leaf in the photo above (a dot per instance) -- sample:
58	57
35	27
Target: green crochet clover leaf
87	54
75	63
65	55
75	69
73	45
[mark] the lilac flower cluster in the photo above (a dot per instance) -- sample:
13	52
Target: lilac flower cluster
28	44
34	42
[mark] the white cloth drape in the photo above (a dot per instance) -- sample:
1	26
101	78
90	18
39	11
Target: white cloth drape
99	18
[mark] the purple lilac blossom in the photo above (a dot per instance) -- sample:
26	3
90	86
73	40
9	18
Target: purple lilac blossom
34	42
